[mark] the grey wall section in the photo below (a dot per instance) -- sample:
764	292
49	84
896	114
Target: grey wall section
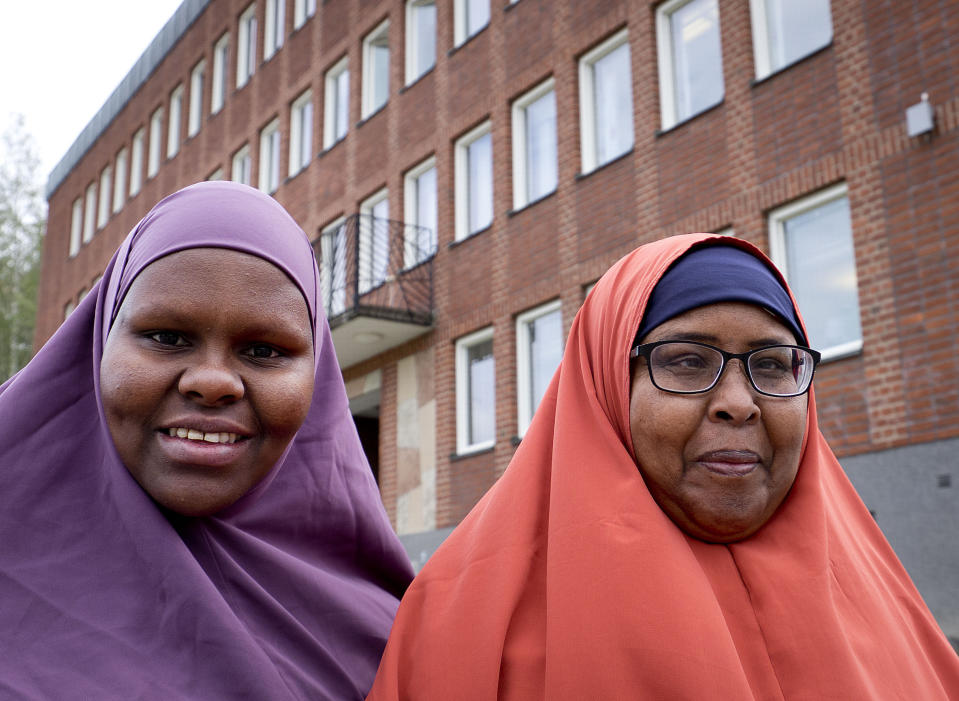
175	27
913	493
419	546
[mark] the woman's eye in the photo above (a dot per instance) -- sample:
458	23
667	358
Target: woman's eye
261	351
167	338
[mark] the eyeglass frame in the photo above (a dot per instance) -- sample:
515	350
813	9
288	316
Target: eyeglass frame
645	349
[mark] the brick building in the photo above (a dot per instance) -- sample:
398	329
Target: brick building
468	168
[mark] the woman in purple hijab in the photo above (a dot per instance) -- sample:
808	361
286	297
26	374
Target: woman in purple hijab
186	510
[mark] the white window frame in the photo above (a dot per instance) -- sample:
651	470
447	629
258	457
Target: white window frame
759	19
274	27
524	404
461	30
221	57
156	134
777	251
176	119
136	161
216	175
120	180
587	100
376	37
103	204
241	165
368	275
412	215
461	174
246	46
302	11
667	69
90	212
333	270
269	175
463	345
301	132
521	195
332	102
197	78
413	41
76	226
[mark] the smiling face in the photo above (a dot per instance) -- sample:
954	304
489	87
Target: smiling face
206	376
718	463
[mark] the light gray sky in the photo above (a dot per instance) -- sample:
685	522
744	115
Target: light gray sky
61	59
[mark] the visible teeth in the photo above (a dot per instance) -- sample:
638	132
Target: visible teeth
195	435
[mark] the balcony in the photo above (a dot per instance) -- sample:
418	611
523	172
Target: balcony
377	284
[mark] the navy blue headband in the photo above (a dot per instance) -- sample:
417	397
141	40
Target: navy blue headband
717	273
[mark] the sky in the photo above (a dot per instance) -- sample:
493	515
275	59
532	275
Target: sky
61	60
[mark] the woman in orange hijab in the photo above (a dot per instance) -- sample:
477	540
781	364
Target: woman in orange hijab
673	525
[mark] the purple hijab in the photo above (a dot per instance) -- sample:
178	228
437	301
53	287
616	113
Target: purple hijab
288	594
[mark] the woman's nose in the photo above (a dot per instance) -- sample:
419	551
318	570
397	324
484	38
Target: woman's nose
733	398
211	380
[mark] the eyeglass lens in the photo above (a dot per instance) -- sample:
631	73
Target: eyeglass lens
690	367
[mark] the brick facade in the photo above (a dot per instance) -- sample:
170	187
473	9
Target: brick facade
836	116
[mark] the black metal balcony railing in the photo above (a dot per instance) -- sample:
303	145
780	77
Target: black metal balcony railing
377	279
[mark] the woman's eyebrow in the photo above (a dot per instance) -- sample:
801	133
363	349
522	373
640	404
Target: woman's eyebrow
715	340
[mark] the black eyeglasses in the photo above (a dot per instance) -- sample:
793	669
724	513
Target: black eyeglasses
687	367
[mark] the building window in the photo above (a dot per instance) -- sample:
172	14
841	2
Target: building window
68	309
419	203
475	392
469	17
690	58
302	11
811	242
270	157
420	38
242	168
76	226
474	181
374	241
106	187
301	132
220	55
606	102
156	134
785	31
90	212
136	162
534	145
376	69
539	348
197	76
336	103
176	118
216	175
246	46
333	267
275	21
120	181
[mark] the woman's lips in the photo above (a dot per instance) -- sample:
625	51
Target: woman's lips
202	453
730	463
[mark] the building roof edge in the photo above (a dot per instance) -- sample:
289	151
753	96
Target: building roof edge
161	45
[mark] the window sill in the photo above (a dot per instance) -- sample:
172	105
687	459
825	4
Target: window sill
523	208
841	352
419	263
690	118
467	40
417	79
624	154
472	452
759	81
372	114
457	242
329	148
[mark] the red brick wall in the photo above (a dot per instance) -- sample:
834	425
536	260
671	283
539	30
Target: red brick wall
836	116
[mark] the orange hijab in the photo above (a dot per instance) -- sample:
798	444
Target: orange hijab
567	581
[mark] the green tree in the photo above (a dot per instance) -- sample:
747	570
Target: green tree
22	222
